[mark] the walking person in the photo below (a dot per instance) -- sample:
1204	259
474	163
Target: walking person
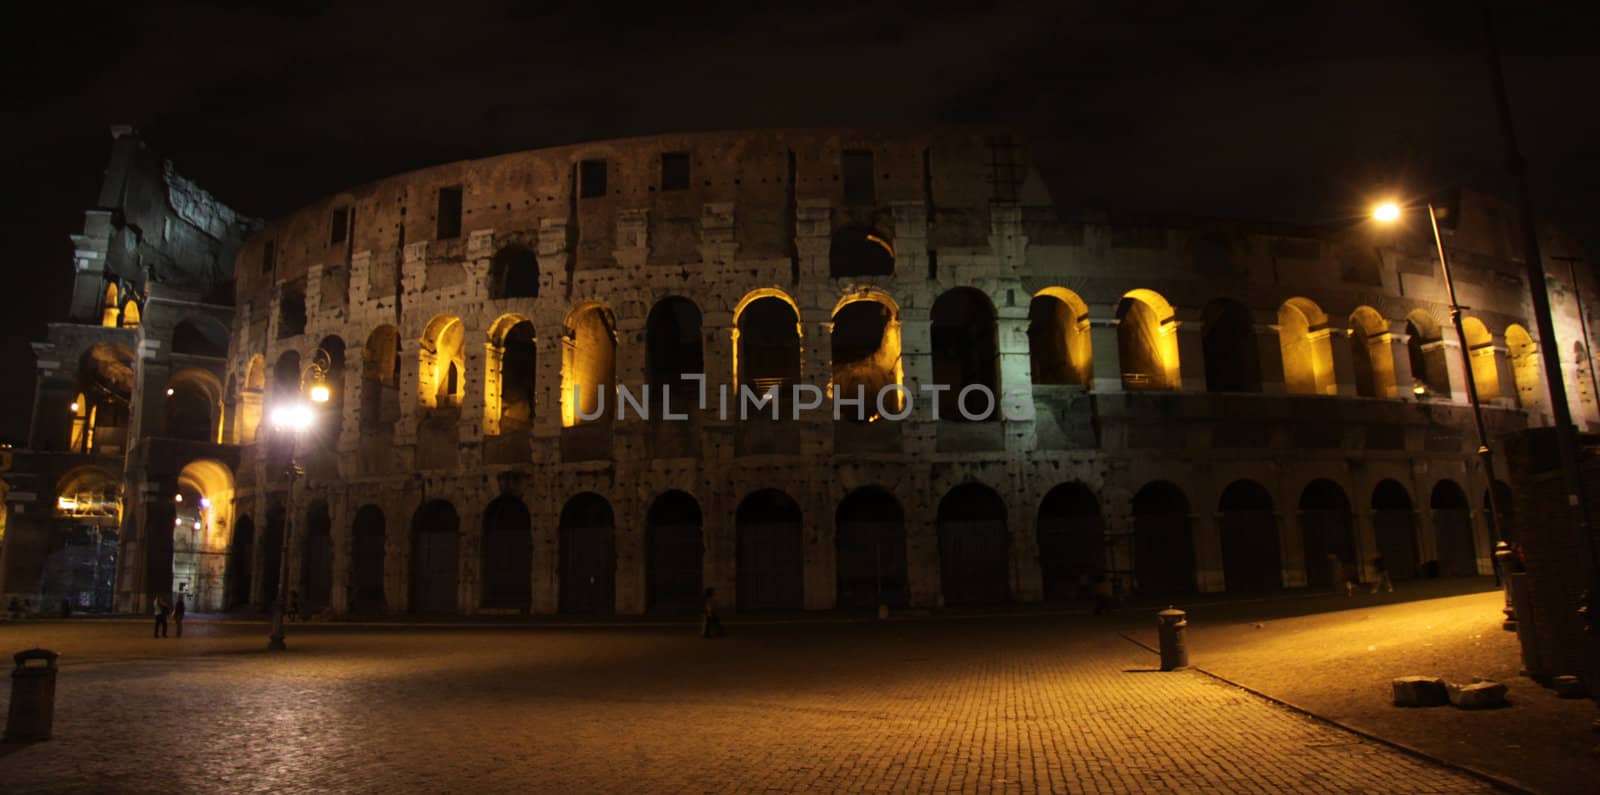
162	609
1382	571
710	624
177	615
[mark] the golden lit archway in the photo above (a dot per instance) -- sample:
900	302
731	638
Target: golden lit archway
441	364
1147	337
202	530
1371	353
1524	356
1059	348
588	364
1482	353
1303	337
866	349
510	370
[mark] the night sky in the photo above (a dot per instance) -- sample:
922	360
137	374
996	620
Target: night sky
1265	110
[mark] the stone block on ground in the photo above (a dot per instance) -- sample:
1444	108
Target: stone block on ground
1420	691
1569	687
1478	694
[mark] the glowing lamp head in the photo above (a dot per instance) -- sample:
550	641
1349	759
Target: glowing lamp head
169	391
177	498
320	393
197	525
293	417
1419	390
205	502
74	405
1388	212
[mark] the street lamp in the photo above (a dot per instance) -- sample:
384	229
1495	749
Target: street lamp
295	418
1389	212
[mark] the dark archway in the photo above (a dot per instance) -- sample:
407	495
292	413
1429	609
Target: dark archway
1327	531
1163	554
380	385
1233	360
865	349
519	377
673	347
588	566
291	311
1251	555
191	410
366	588
676	551
435	557
200	337
1452	527
870	539
1071	542
286	375
965	352
974	546
769	346
507	554
514	273
860	251
1059	350
316	561
241	550
1394	529
771	553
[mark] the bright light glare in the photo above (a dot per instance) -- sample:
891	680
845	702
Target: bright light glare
177	498
74	406
320	393
205	502
295	417
197	525
1386	212
169	392
1419	389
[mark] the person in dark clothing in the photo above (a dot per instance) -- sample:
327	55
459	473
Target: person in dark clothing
1102	595
162	610
177	615
710	624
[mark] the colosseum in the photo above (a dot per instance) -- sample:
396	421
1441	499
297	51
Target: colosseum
1192	404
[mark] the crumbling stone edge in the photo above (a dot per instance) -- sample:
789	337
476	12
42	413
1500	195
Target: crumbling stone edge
1493	779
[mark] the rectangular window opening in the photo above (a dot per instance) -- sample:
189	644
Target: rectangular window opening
268	254
341	225
858	178
675	171
449	213
591	179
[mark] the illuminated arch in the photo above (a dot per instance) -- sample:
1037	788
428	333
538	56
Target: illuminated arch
1524	356
765	350
90	493
1147	337
130	315
588	364
510	370
213	480
442	363
1303	337
866	349
1481	352
110	317
380	378
1425	347
193	405
1372	357
1059	347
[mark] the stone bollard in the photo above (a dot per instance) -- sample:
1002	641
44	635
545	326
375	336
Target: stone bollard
1174	648
33	697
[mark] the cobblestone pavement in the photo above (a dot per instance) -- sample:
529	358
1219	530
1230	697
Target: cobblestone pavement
977	705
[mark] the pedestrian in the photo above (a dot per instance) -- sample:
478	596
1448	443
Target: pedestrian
162	609
177	615
1102	595
1381	569
710	624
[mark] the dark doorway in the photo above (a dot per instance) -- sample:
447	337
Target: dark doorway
1233	361
676	553
1071	542
588	556
771	556
672	345
965	350
1327	532
317	563
366	588
1452	526
435	555
769	346
239	555
514	273
1163	554
870	538
974	547
507	554
1251	556
1394	530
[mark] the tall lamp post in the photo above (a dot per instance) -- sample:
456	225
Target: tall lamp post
1389	212
294	418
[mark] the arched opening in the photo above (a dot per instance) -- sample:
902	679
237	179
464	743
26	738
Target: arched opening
241	550
514	273
200	337
110	315
589	366
676	553
202	533
866	356
1059	350
512	376
1163	553
435	557
974	546
1425	347
1327	530
870	540
673	347
1394	529
105	374
771	556
82	430
193	400
966	353
369	551
1370	354
1232	360
1251	560
286	376
1307	352
1452	528
1147	342
380	379
291	311
1506	516
250	398
507	554
1481	351
860	251
442	364
1071	542
767	347
317	560
1524	357
130	314
330	355
588	556
82	551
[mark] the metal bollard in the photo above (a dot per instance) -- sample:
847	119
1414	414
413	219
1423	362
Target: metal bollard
1174	650
33	697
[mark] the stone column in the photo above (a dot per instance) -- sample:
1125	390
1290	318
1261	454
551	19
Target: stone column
1207	533
1270	354
1027	581
1509	397
1106	348
1015	374
1451	345
343	538
1191	350
1344	368
469	554
1291	550
1403	377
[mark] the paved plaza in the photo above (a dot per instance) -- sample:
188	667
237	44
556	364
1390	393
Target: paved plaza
1037	703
